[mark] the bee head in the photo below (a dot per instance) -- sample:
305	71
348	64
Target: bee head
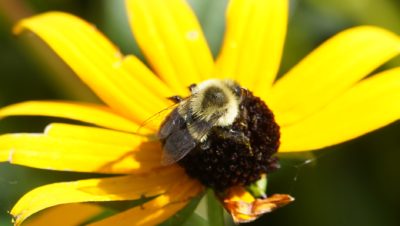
216	100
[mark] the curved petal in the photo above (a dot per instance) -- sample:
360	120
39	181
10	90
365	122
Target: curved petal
157	210
95	190
65	154
329	71
369	105
66	215
172	41
96	61
89	113
147	78
253	45
94	134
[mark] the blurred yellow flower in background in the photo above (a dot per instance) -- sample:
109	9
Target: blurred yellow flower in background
322	101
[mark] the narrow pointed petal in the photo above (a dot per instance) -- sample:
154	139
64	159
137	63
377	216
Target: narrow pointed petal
95	190
151	81
329	71
369	105
172	41
96	61
253	44
60	153
157	210
66	215
94	134
146	214
89	113
147	78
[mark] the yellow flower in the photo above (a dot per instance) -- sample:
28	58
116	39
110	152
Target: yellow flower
322	101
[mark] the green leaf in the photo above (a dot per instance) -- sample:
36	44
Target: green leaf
214	210
195	220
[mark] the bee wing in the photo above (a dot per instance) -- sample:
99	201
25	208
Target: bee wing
173	123
178	141
177	146
181	139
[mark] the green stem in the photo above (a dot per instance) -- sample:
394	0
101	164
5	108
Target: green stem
214	210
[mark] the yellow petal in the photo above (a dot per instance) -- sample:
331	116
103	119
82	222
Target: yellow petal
4	155
146	77
88	113
95	190
146	214
65	215
133	65
96	61
252	48
371	104
172	41
93	134
59	153
157	210
329	71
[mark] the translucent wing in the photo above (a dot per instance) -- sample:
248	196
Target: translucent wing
172	123
181	136
177	139
177	146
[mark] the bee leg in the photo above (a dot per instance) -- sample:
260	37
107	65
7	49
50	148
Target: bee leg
175	99
191	87
237	136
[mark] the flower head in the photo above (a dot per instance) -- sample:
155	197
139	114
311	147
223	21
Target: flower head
322	101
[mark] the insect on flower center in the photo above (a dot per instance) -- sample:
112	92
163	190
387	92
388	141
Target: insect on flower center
221	134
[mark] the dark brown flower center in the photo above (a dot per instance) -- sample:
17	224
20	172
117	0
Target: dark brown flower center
238	154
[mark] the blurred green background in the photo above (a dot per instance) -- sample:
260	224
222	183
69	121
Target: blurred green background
356	183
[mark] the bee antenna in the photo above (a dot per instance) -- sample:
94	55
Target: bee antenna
145	122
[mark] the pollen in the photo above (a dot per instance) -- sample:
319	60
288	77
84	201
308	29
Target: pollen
226	161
